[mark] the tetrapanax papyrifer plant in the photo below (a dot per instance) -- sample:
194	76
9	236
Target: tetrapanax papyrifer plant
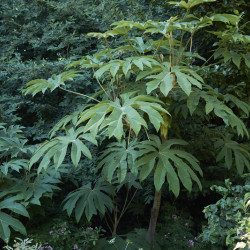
145	83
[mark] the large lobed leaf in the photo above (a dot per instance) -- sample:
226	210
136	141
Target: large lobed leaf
174	164
7	221
167	79
233	152
89	200
115	115
57	149
41	85
215	101
117	158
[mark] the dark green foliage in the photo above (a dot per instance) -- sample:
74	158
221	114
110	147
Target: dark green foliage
18	187
132	241
228	218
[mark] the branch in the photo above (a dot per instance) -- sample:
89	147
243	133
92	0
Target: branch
76	93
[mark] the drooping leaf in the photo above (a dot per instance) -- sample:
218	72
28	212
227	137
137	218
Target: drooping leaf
7	221
118	159
89	200
166	80
166	160
233	152
41	85
115	115
193	101
56	149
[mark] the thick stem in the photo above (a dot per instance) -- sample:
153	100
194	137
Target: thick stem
154	217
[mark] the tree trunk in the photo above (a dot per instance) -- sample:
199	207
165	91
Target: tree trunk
153	218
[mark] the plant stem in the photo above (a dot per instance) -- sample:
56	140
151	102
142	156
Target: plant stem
154	212
101	84
154	217
191	37
149	42
211	56
76	93
132	45
172	45
110	229
182	35
158	45
126	207
108	48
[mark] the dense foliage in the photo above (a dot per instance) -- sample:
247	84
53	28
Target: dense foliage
109	108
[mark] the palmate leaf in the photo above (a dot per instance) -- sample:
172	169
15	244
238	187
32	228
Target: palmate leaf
221	110
183	76
15	165
113	114
174	164
65	121
124	66
215	102
117	159
43	185
41	85
12	143
233	152
245	107
130	181
89	200
57	149
129	24
7	221
12	204
140	46
32	188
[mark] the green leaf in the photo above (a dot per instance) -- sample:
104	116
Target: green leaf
247	60
7	221
166	84
223	111
148	163
113	114
117	159
193	101
159	175
183	82
41	85
167	161
126	67
228	148
56	149
89	200
236	59
166	79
